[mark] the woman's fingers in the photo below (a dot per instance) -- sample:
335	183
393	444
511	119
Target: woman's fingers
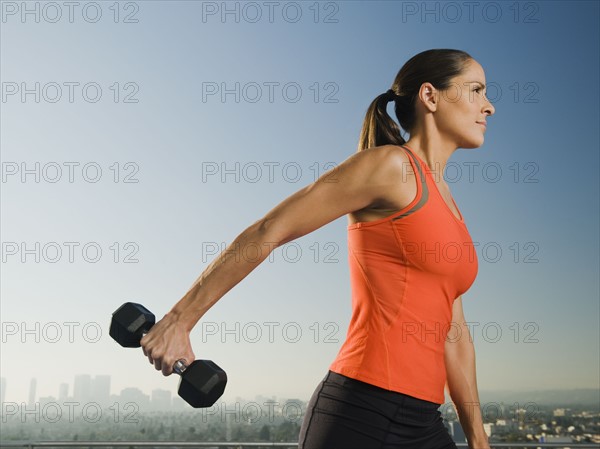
162	364
148	353
165	343
143	344
167	369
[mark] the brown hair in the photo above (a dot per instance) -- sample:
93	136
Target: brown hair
436	66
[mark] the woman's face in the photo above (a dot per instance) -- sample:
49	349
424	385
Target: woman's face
464	107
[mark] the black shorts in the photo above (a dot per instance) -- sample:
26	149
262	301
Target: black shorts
345	413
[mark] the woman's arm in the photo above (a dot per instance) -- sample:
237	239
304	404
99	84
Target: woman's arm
462	380
354	184
361	180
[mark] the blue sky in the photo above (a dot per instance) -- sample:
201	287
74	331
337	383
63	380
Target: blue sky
541	212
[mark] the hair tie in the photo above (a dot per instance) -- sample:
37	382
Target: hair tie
391	95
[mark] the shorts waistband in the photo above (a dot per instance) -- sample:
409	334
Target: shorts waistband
355	384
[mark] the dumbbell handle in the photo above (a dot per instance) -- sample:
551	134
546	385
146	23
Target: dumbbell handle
179	366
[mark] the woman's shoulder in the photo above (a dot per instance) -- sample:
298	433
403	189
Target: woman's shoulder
391	158
388	151
380	164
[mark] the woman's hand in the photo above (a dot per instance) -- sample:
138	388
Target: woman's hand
167	342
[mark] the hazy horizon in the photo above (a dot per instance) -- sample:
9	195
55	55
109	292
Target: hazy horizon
486	396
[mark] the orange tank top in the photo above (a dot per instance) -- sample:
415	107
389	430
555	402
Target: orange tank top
406	270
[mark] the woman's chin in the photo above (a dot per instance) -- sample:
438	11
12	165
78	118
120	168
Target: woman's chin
474	143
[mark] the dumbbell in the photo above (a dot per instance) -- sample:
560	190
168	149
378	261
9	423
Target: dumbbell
201	383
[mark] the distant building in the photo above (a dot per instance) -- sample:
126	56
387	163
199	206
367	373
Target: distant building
559	412
457	432
161	400
179	404
82	389
2	390
487	428
135	396
45	401
63	392
505	425
32	392
101	390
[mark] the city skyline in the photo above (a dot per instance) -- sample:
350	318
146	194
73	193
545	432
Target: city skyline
127	414
88	388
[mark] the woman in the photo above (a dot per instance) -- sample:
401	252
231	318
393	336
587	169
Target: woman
411	258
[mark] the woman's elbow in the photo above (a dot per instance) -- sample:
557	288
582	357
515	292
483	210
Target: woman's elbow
266	230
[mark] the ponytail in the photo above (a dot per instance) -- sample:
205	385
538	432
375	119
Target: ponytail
378	127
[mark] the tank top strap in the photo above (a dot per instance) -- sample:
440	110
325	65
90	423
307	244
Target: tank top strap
422	195
421	170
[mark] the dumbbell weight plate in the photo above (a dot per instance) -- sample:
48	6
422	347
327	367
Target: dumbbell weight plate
129	324
202	383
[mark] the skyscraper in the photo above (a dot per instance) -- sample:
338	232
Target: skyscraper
63	392
2	390
101	390
82	389
32	388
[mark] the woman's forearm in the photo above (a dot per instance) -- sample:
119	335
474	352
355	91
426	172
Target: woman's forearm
243	255
462	385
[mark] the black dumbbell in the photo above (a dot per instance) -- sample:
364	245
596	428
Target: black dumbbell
201	384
